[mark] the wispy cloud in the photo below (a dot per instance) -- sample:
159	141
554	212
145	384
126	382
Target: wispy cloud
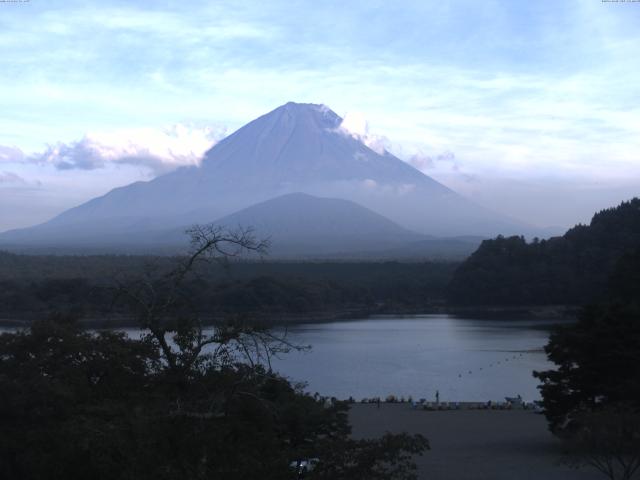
354	124
520	91
425	162
10	178
11	154
158	150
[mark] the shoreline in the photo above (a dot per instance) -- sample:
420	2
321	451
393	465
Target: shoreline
519	312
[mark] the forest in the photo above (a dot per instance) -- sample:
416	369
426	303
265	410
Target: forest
87	286
569	270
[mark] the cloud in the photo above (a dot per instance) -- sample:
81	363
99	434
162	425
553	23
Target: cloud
422	161
10	178
11	154
15	181
524	90
158	150
355	125
371	185
445	168
405	188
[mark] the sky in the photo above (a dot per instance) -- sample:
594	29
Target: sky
527	107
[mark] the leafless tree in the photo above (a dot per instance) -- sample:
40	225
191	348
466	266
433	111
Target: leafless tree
161	306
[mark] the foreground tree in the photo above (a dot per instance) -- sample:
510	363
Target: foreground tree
592	399
609	441
183	401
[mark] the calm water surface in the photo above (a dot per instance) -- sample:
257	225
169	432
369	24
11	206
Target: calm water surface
464	359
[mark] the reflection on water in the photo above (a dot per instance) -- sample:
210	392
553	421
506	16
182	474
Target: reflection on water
463	359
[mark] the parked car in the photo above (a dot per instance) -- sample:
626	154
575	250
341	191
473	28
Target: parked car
304	465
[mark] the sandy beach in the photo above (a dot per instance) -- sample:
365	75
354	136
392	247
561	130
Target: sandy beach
473	444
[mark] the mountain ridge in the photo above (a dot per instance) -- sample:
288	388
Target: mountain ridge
293	148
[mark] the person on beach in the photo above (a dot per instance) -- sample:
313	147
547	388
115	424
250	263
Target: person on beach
438	396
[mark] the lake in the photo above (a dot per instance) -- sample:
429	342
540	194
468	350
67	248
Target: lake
464	359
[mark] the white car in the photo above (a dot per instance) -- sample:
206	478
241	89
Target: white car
304	465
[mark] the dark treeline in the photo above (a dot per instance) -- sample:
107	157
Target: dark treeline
592	396
598	358
572	269
86	286
568	270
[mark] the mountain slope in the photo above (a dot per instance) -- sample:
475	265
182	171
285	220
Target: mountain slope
303	226
300	224
294	148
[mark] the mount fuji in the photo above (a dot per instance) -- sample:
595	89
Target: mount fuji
296	148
